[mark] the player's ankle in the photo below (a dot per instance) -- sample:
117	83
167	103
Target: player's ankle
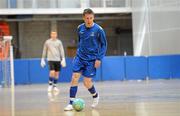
95	95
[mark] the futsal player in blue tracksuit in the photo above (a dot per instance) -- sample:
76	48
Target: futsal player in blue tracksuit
92	47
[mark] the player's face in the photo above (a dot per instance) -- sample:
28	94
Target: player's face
53	35
88	19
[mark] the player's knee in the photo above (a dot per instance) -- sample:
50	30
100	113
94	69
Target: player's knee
56	74
87	83
75	78
52	74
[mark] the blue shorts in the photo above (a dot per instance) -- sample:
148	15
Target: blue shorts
85	67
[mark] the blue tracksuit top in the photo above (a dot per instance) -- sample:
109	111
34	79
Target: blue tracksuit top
92	42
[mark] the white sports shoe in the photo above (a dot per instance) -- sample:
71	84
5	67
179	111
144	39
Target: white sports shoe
69	107
95	102
50	87
50	96
55	89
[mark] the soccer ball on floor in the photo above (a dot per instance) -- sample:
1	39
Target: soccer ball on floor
78	104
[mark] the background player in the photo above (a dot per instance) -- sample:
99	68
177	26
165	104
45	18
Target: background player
54	51
91	49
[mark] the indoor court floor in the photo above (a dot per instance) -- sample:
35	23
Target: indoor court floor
117	98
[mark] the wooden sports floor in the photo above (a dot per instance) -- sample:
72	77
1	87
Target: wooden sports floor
117	98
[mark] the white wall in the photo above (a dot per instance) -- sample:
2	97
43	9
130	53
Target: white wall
140	28
156	27
3	4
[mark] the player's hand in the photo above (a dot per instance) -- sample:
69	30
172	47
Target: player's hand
43	63
97	63
63	62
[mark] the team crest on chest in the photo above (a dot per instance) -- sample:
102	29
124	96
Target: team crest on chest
81	32
92	34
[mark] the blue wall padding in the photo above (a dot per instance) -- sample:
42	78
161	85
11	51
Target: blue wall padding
135	68
21	71
37	74
98	76
175	66
113	68
159	67
66	73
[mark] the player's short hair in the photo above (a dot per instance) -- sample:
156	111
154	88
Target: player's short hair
88	11
53	32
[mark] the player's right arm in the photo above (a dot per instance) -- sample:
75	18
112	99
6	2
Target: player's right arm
78	39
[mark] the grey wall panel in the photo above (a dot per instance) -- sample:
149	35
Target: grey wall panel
32	36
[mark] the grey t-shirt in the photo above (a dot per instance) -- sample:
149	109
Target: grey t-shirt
53	48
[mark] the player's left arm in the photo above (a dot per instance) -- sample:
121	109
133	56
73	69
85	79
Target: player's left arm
102	47
45	48
63	60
